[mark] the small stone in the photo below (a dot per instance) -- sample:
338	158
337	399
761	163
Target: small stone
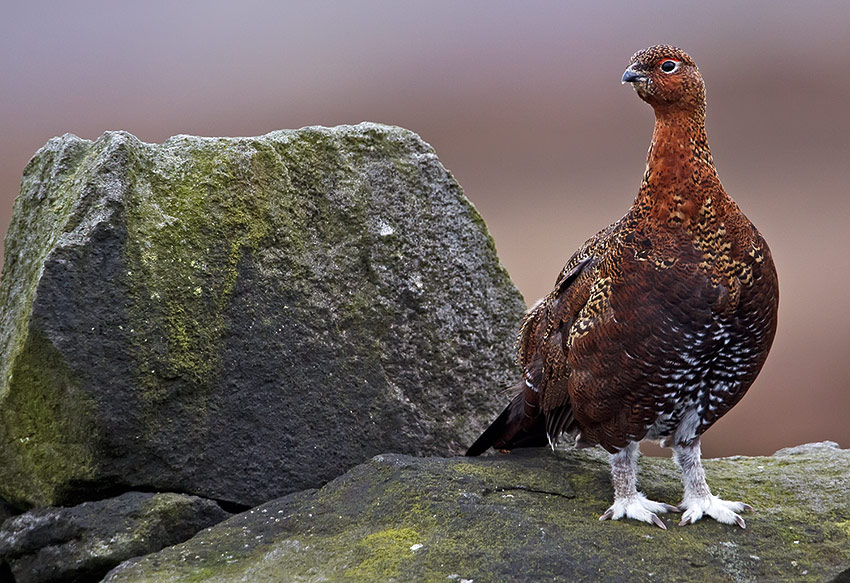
82	543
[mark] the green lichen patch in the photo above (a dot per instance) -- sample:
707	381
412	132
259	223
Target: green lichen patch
45	419
381	554
198	207
51	423
38	220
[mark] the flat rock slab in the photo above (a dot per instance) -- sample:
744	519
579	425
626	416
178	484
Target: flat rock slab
526	517
241	318
84	542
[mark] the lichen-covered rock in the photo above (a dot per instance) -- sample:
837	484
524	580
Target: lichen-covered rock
84	542
240	318
529	516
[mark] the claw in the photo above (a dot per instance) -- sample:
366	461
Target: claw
609	514
658	522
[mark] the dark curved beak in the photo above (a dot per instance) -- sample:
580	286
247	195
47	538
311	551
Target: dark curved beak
632	76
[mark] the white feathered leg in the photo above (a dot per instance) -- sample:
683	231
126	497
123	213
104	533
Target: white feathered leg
698	499
628	501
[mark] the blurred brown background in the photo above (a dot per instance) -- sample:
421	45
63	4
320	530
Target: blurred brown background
523	103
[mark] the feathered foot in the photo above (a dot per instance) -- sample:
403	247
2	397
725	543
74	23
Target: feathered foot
698	499
717	508
628	502
638	507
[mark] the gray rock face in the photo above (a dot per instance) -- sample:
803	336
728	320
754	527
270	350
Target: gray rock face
242	318
527	517
84	542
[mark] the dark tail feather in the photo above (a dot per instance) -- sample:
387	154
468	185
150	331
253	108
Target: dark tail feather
513	428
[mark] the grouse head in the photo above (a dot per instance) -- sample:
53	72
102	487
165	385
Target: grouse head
668	79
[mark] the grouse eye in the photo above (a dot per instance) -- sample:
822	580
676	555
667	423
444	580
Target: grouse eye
669	66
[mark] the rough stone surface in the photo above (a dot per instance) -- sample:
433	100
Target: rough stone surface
240	318
84	542
526	517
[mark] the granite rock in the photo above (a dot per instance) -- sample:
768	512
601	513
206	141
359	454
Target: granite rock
240	318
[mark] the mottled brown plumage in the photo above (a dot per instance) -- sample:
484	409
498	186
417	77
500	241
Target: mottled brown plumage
658	324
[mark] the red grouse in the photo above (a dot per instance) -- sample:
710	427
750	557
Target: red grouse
657	325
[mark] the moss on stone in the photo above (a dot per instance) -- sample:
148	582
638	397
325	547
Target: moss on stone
33	395
191	219
381	554
38	220
184	285
53	423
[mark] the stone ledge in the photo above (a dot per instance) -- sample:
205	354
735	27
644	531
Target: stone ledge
526	517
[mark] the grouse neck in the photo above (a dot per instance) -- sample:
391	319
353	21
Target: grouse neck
679	143
679	166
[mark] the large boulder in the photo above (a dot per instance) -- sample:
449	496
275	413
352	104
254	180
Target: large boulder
82	543
527	517
239	318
